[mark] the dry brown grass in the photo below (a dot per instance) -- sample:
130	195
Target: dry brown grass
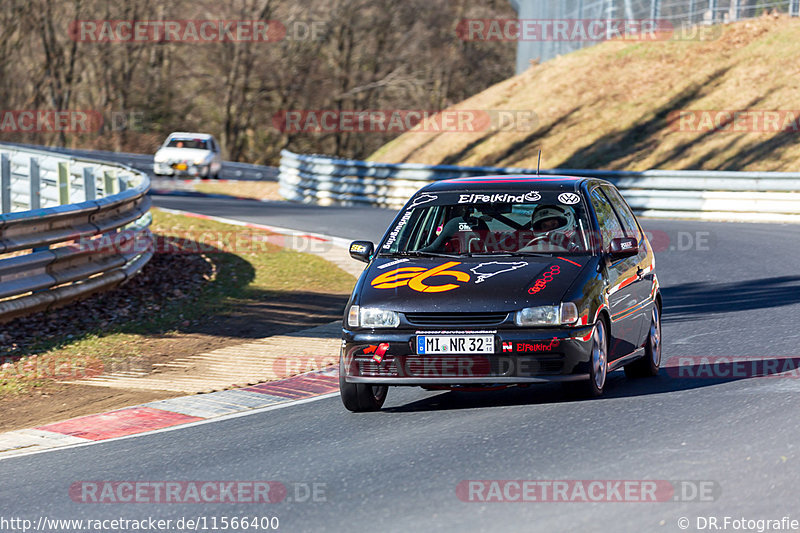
607	106
258	190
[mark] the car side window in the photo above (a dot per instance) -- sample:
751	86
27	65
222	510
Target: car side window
625	214
610	227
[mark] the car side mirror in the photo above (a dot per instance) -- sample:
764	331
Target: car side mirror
623	247
362	250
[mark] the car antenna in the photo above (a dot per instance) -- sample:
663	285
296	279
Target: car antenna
539	164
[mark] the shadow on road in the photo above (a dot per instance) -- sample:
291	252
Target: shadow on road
681	374
694	301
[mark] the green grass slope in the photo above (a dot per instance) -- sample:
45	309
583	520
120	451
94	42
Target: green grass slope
612	106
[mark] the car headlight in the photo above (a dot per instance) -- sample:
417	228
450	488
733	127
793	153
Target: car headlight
547	315
370	317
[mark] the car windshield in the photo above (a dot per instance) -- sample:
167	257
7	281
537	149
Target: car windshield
533	222
197	144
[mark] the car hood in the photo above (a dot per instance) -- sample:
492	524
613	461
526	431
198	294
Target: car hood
467	284
183	154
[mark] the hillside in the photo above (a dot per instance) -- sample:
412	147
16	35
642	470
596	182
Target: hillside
612	106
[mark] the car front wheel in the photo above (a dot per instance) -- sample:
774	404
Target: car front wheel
360	397
598	369
648	365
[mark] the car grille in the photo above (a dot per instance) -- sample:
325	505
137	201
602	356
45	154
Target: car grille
455	319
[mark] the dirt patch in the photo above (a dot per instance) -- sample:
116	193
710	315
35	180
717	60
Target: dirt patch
58	401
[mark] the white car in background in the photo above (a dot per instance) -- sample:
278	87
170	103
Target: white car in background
188	154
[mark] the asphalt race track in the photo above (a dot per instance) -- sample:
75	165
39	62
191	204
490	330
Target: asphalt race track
729	290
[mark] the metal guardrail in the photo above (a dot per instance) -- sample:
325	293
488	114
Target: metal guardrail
710	195
69	227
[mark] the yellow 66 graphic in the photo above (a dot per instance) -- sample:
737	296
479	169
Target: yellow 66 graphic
415	278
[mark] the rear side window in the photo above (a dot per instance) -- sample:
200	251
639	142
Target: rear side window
625	214
610	227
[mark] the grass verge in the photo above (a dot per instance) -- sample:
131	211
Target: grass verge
257	190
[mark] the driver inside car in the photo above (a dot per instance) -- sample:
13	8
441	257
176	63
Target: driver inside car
553	227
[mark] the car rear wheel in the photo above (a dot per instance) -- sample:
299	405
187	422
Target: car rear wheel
648	365
360	397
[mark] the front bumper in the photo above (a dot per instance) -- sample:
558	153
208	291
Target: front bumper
520	356
168	169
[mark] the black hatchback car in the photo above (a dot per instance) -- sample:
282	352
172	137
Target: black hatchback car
497	281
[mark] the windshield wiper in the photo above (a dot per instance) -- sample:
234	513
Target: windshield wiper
509	254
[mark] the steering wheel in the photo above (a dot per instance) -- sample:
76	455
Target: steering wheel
535	240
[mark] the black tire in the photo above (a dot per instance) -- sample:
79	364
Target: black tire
598	366
361	397
647	366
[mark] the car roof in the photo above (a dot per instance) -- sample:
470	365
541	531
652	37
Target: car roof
521	182
190	135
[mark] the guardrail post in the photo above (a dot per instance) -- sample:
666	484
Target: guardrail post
655	10
5	182
89	185
608	8
109	183
63	183
35	200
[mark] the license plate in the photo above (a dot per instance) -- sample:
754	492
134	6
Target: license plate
179	166
455	344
